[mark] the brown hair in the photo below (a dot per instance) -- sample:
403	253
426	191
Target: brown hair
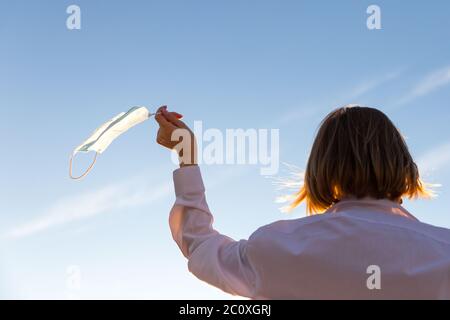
358	152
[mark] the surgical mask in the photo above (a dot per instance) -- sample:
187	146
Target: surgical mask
103	136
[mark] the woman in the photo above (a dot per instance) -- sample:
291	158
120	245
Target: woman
363	245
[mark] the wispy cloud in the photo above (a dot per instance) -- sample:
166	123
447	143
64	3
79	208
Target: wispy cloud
434	159
431	82
120	196
365	87
89	204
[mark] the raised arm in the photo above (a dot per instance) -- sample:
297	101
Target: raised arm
212	257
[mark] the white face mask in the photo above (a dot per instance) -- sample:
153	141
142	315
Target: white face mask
107	132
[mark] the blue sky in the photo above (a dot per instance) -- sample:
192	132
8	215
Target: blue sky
231	64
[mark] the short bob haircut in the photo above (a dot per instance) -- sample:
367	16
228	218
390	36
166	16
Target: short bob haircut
358	152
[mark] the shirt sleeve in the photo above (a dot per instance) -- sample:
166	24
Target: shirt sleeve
212	257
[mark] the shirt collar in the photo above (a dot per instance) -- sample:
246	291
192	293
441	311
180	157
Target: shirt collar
384	205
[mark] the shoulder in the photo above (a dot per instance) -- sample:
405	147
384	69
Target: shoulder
290	226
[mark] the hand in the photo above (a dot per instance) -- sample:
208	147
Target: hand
174	134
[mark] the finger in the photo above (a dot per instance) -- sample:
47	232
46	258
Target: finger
163	122
178	115
171	117
161	108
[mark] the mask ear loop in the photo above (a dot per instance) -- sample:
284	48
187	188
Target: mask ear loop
86	172
95	158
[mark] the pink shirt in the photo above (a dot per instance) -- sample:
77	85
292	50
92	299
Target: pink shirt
328	256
